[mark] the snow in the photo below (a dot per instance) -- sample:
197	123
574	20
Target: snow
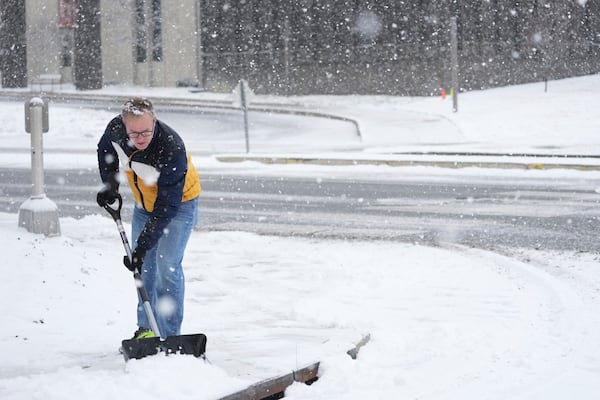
445	323
39	204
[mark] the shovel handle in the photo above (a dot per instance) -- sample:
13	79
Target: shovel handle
114	210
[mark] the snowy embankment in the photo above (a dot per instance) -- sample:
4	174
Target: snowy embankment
444	323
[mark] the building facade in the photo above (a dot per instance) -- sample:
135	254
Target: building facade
395	47
140	42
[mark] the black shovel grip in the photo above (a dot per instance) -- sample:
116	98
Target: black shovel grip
115	211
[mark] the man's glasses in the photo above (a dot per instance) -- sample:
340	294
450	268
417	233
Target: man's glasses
133	135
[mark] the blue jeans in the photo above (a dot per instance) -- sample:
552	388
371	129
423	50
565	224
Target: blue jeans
162	272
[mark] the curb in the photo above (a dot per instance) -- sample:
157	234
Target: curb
408	163
274	388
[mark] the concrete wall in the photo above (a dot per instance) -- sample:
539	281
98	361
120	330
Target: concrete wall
117	41
45	41
179	41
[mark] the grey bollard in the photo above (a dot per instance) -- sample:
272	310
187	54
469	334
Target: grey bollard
38	214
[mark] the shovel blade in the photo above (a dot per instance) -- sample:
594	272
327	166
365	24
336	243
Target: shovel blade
183	344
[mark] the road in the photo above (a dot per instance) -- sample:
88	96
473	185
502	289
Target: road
557	214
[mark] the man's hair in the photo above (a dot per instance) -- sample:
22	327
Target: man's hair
137	106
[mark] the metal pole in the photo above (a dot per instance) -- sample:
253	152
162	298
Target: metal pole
38	214
454	61
245	110
199	54
37	157
286	54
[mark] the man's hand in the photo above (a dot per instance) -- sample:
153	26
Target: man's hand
137	260
106	196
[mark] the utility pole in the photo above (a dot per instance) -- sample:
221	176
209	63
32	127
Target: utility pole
454	62
287	33
199	55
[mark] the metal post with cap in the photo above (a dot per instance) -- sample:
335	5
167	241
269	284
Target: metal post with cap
38	214
242	95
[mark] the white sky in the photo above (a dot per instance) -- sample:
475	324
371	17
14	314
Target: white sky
445	323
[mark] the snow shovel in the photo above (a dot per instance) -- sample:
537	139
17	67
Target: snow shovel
139	348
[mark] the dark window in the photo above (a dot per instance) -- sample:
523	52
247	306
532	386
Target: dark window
140	32
156	31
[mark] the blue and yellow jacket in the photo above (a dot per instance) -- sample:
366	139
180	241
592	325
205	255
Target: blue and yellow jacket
161	177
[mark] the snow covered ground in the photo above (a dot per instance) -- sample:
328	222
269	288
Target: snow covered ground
445	323
513	120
